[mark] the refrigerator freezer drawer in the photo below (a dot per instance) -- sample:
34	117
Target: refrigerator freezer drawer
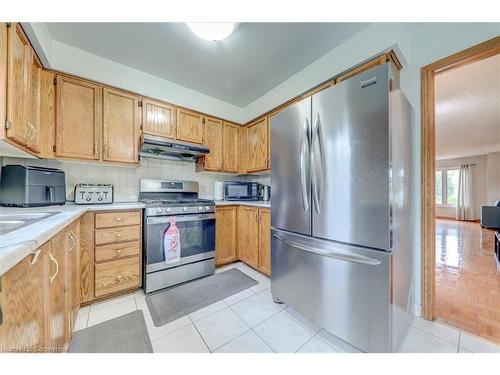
342	288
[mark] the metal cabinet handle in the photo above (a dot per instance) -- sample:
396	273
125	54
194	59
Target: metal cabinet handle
119	219
118	235
73	240
35	254
57	268
361	259
33	129
304	165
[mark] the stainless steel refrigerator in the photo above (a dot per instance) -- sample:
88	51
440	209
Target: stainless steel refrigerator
342	209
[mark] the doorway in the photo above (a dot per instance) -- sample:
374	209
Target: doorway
458	236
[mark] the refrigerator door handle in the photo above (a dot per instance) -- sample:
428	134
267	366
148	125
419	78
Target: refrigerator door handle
360	259
304	164
317	163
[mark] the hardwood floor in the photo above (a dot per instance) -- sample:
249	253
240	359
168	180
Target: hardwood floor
467	278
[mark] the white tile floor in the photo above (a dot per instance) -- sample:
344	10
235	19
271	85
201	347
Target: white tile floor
250	322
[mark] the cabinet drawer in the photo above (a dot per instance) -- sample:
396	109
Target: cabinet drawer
115	251
117	219
123	234
111	277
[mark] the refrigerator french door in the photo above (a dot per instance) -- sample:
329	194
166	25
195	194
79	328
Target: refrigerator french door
331	242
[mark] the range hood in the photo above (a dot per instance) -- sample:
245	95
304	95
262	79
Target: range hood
154	147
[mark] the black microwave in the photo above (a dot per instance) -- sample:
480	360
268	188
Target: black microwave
242	191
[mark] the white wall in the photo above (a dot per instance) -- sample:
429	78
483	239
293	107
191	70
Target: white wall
76	61
126	179
493	178
479	185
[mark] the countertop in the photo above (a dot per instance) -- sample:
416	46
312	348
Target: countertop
244	203
18	244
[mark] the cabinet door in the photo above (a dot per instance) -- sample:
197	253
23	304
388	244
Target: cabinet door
226	232
242	162
120	127
213	140
22	301
78	119
158	119
74	272
87	257
57	312
18	51
248	246
257	146
230	149
189	126
265	241
34	103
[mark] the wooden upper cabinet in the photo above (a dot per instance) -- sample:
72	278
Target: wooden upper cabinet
23	303
265	240
230	147
242	143
257	138
213	140
226	235
189	126
120	127
34	103
158	118
78	119
248	243
18	52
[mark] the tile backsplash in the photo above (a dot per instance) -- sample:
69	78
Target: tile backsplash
125	179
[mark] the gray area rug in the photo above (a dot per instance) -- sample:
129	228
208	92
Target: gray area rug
125	334
174	303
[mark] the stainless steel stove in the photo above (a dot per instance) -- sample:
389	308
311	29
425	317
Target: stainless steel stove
195	219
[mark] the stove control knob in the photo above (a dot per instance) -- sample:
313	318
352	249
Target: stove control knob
158	211
169	209
87	199
200	208
184	209
207	208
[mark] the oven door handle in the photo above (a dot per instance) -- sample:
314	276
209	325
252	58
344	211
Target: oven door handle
180	218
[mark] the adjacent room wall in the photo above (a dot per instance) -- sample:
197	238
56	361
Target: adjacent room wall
478	183
493	178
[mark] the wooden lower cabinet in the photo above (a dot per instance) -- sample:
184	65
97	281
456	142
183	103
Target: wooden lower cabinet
23	300
226	235
37	297
244	233
115	276
265	240
58	327
110	254
74	272
248	244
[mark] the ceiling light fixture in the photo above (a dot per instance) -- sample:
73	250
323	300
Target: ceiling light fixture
213	31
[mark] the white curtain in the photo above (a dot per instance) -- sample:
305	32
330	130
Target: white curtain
465	198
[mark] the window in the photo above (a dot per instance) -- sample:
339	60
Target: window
447	186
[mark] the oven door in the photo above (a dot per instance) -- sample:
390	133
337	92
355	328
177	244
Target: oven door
197	237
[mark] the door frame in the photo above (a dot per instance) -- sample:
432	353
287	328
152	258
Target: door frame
427	75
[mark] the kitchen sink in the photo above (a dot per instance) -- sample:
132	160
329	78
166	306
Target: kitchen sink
10	222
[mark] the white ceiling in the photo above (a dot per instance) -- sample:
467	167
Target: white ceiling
238	70
468	110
